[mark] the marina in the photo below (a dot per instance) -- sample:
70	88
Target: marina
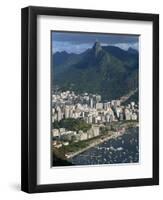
122	149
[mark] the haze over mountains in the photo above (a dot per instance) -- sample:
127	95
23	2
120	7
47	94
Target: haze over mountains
105	70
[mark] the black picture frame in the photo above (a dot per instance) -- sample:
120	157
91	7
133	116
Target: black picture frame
29	99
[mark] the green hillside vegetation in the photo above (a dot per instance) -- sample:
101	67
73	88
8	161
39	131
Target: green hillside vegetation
108	71
134	98
72	124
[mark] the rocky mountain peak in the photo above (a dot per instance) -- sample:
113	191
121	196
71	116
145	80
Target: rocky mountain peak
97	47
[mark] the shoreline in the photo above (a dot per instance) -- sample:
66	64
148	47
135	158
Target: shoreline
100	140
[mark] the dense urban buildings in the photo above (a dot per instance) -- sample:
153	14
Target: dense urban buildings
91	109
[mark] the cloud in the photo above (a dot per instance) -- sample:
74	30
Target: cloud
125	46
78	37
79	48
76	42
69	47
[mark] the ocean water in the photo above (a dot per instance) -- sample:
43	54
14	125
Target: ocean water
123	149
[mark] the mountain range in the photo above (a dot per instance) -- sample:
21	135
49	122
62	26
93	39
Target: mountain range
106	70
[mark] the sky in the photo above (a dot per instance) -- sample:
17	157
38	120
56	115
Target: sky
75	42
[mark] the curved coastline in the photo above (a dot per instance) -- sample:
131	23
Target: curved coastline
99	140
114	135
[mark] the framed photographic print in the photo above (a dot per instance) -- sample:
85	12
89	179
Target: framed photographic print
90	99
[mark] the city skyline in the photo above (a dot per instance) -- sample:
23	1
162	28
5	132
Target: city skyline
68	107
